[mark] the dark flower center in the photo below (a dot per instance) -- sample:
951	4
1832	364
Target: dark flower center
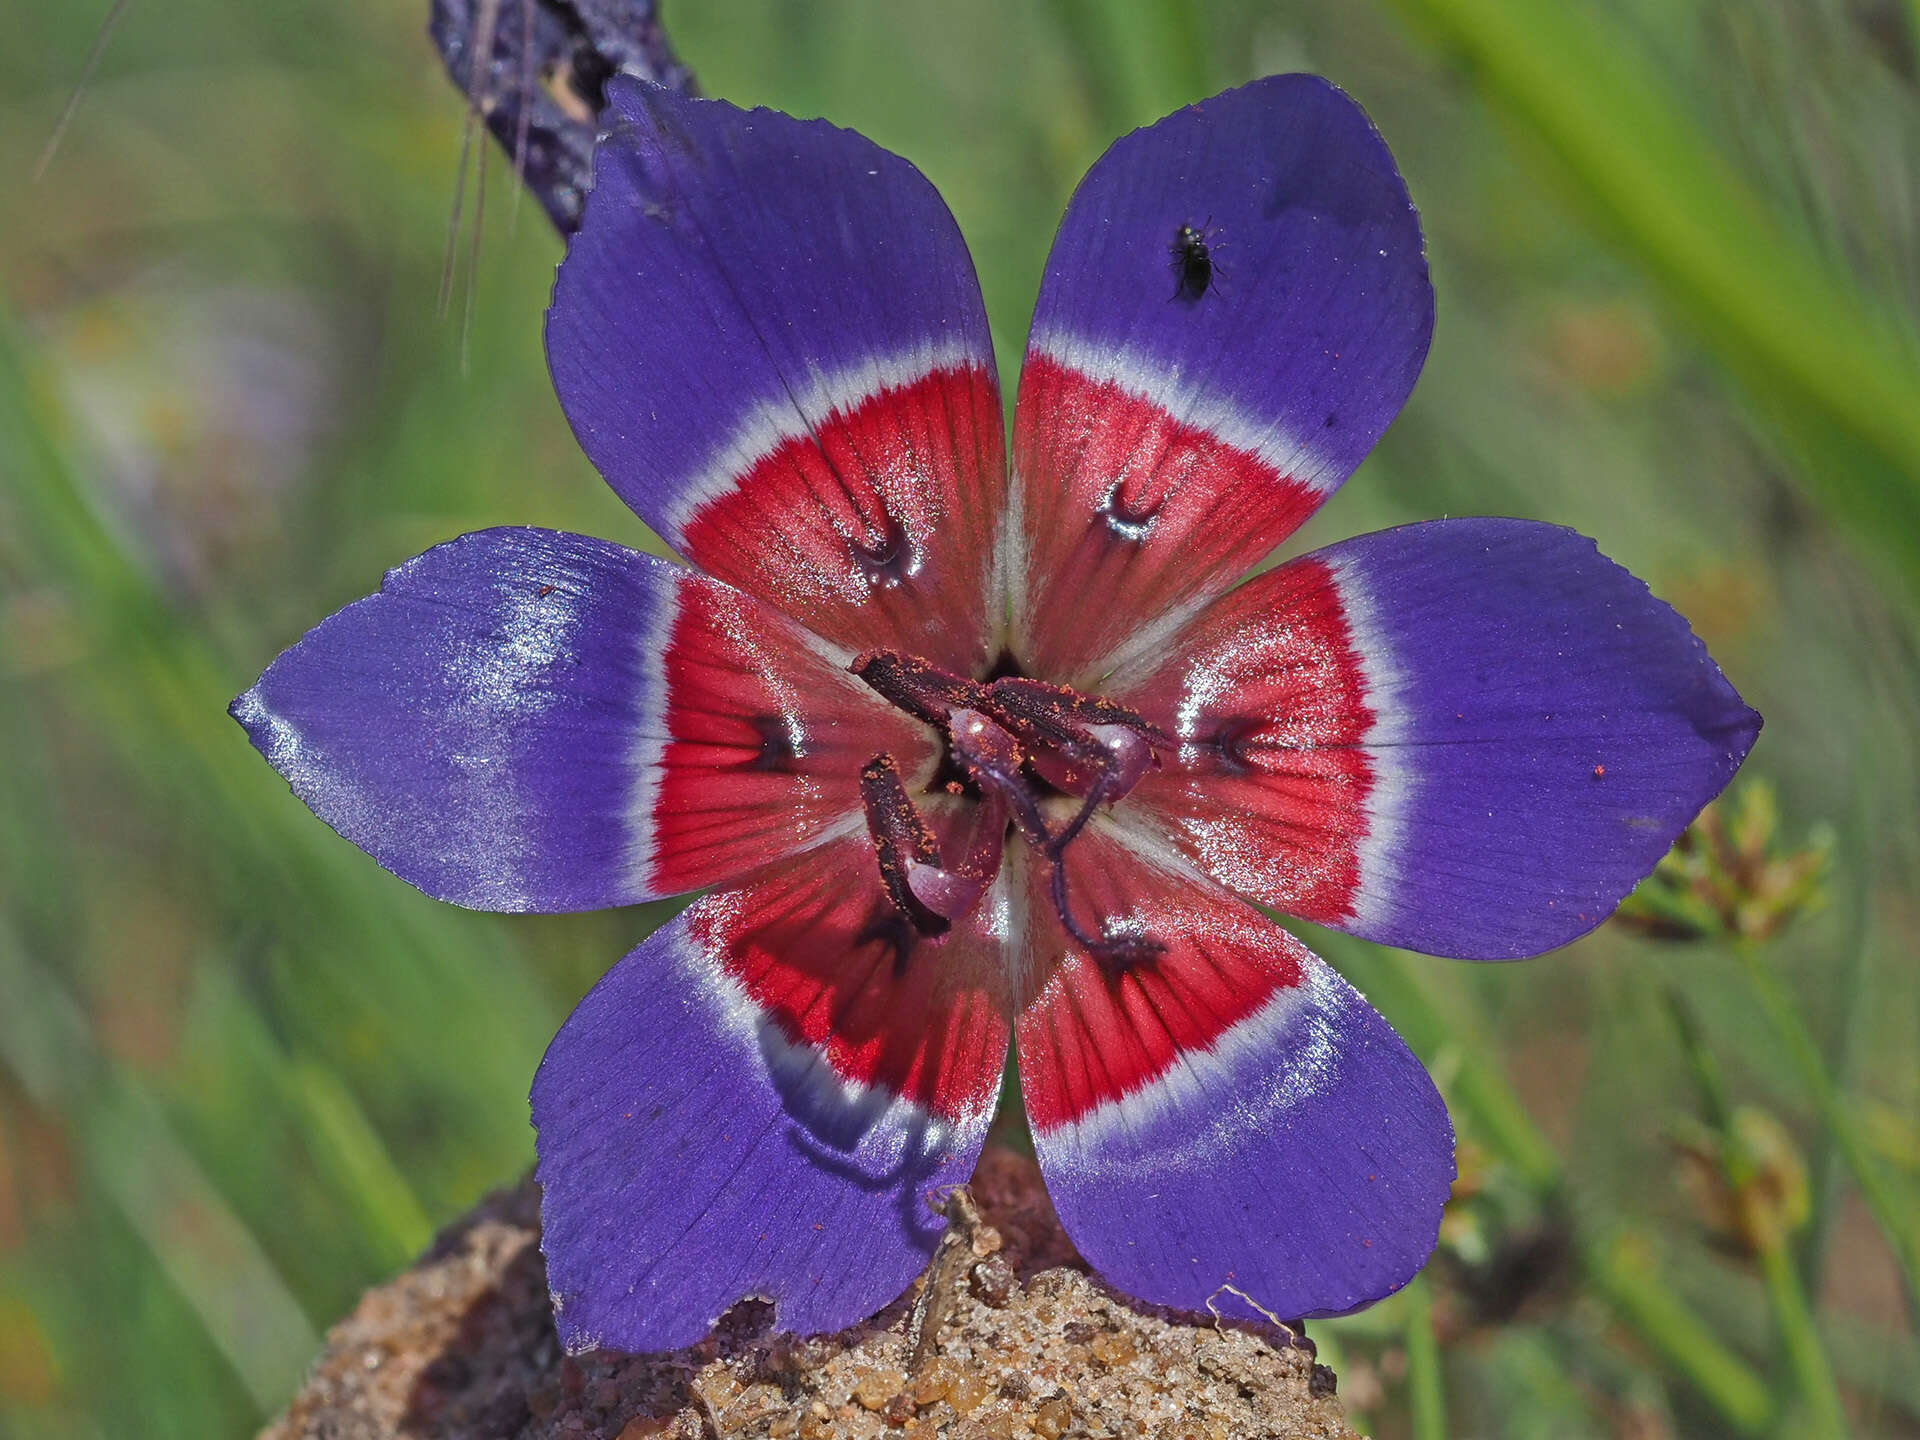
1036	758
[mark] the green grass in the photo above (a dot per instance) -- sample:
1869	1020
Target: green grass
1678	274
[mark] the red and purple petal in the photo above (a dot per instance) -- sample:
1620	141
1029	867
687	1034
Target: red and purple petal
759	1101
1468	737
762	739
1165	439
768	336
1228	1111
528	720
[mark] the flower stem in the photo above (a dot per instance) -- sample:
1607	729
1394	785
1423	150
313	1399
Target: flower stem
1427	1398
1895	1221
1632	1288
1824	1417
1622	1270
1827	1167
1806	1355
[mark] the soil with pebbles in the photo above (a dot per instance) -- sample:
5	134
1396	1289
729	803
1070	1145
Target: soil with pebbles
462	1347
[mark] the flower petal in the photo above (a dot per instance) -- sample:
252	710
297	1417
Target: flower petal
758	1101
1468	737
528	720
1165	439
768	336
1228	1112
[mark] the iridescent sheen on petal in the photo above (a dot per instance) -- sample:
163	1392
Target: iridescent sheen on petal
1168	436
1468	737
769	338
528	720
760	1101
1227	1112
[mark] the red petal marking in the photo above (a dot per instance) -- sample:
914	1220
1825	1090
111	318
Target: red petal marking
764	740
1092	1034
1268	791
1130	513
877	529
809	942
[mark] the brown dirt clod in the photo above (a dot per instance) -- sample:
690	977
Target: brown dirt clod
462	1347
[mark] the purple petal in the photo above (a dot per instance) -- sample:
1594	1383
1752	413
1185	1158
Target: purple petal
706	1133
1166	439
1228	1111
495	726
1468	737
1544	730
769	338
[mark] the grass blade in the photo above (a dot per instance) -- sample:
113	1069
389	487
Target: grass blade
1800	337
1426	1390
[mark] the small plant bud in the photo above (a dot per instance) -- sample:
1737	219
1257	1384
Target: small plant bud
1768	1207
1730	876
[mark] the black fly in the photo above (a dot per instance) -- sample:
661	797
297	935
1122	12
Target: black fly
1194	269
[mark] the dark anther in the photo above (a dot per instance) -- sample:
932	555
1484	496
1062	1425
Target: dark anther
1129	519
778	747
927	891
1061	713
1078	744
900	838
924	691
888	559
1021	745
1034	699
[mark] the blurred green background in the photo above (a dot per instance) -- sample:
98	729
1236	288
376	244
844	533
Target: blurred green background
244	1073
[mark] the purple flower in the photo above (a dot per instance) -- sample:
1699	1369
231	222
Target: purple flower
969	755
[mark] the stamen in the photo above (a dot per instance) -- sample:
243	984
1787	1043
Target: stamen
900	838
924	889
953	893
1017	740
947	893
922	690
995	760
1072	738
1128	755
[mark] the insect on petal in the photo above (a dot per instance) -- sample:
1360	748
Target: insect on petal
527	720
1468	737
1171	432
1228	1111
758	1101
769	338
